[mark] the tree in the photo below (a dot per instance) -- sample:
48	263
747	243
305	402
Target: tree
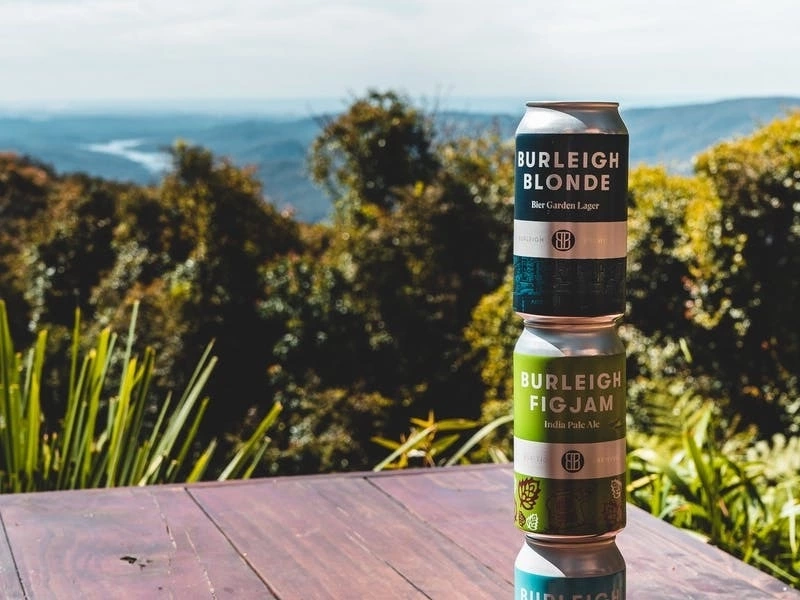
673	223
714	276
220	220
492	334
192	252
389	288
72	251
25	186
751	298
422	253
381	144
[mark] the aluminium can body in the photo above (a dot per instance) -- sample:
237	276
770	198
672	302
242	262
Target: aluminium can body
570	210
569	431
587	571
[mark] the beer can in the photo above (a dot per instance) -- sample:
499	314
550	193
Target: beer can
570	211
590	571
569	430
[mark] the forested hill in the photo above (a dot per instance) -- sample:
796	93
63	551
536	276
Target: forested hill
131	146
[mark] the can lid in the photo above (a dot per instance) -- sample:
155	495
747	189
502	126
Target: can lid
583	105
571	117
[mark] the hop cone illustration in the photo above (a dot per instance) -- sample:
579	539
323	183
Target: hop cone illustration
528	490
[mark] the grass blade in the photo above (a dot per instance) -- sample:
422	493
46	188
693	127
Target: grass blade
477	437
249	448
409	444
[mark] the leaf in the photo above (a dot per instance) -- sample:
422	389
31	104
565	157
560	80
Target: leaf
405	447
456	424
385	442
439	445
477	437
253	447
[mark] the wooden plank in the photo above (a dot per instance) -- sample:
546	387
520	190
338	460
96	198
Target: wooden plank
129	542
436	533
10	584
340	537
663	559
472	506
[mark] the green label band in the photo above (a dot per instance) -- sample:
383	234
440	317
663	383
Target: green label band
569	399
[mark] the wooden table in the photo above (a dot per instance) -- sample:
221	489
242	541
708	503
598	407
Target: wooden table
427	533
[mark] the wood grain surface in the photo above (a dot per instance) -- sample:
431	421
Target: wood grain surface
424	533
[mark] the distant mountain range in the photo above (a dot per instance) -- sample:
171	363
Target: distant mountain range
130	146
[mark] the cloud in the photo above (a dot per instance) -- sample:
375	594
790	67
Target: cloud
204	48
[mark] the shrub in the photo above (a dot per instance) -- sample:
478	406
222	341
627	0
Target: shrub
110	434
723	491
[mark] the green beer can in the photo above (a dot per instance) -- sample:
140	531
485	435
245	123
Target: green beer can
569	430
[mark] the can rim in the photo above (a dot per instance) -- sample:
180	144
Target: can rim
556	321
571	104
607	540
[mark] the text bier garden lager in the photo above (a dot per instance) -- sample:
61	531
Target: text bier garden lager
570	210
583	571
569	430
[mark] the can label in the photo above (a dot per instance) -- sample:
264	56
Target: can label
570	224
569	444
528	586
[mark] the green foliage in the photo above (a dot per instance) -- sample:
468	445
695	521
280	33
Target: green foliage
716	489
713	261
72	249
107	435
492	335
376	308
750	299
217	233
356	326
661	383
325	369
379	145
324	428
191	251
24	189
672	227
423	446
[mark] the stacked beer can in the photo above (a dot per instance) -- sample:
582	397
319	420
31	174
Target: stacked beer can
570	233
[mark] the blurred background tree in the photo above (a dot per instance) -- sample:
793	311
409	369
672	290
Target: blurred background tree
749	301
420	233
399	305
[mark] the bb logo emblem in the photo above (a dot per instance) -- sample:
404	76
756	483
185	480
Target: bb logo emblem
563	240
572	461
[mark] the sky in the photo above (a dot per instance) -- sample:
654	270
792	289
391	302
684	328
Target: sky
65	53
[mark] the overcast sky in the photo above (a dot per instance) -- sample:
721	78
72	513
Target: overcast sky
639	52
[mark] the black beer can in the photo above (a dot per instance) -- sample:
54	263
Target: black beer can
570	211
